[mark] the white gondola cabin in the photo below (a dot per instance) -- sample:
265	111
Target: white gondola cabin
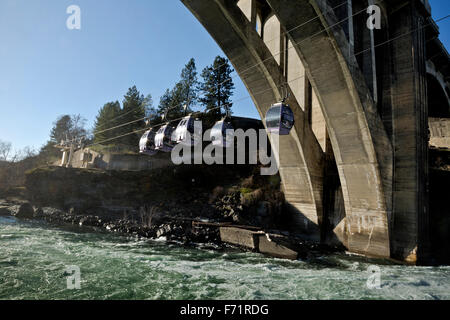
280	119
221	134
163	139
147	143
185	132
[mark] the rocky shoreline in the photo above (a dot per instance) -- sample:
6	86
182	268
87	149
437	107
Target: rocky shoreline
189	205
173	229
184	231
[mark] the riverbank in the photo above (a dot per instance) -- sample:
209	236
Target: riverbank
174	229
217	205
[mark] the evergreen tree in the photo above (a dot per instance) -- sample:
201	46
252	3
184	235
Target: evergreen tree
134	108
151	113
177	102
165	103
66	128
148	105
108	116
188	85
185	92
61	129
217	87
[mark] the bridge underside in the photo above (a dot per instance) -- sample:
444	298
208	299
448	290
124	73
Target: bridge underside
350	168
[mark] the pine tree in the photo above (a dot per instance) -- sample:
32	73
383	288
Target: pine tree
134	109
188	86
217	87
108	117
151	113
165	103
61	129
69	128
185	92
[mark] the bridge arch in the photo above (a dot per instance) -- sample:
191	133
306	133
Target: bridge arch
438	93
351	124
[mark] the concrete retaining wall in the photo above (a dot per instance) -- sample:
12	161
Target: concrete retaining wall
439	132
132	162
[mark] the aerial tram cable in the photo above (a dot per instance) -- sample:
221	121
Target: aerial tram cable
324	66
277	37
209	110
251	67
294	44
296	27
356	54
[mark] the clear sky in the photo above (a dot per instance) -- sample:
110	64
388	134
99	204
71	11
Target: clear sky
47	70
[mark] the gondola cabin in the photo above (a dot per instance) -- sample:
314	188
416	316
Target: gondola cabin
280	119
163	139
185	132
221	134
147	143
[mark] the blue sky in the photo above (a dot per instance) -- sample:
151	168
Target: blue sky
47	70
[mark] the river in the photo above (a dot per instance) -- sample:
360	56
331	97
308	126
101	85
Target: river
34	257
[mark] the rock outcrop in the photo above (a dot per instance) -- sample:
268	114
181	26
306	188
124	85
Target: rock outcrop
25	211
207	192
187	204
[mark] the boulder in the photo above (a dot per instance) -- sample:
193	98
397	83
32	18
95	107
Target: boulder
26	211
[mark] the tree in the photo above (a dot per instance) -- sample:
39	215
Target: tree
61	129
134	110
114	125
148	105
185	92
165	102
77	127
189	86
5	150
69	128
217	87
27	153
172	102
108	117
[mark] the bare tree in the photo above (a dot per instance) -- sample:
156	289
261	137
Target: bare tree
5	150
22	154
28	152
147	213
78	124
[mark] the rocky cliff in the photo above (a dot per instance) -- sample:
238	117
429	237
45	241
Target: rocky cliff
218	193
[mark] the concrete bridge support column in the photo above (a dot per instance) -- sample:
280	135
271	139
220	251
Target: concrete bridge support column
410	135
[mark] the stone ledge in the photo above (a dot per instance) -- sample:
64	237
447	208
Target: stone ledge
240	237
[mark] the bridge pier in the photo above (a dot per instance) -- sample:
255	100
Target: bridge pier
410	124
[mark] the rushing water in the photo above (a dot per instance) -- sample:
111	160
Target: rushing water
34	257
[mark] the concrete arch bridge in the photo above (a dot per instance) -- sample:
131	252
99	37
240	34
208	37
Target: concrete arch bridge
355	167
